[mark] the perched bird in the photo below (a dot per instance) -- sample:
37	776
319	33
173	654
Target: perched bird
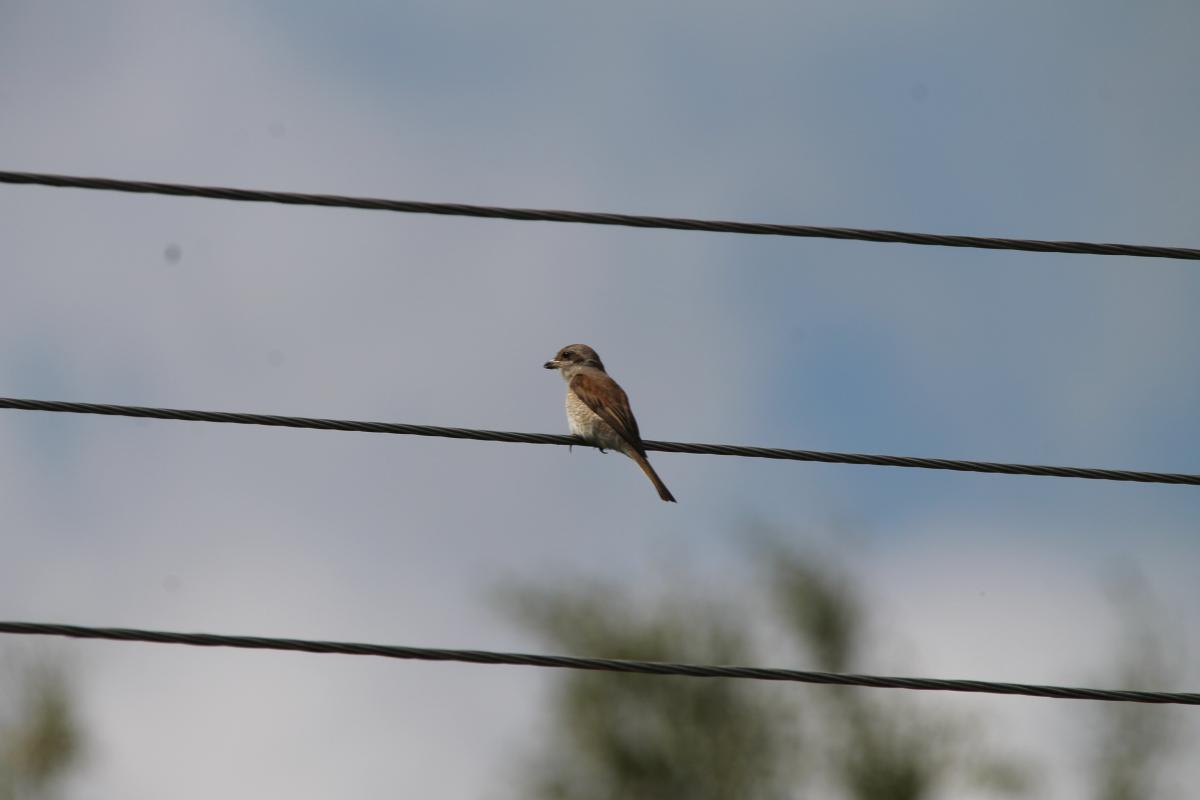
598	410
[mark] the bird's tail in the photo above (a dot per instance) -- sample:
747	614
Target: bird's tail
663	491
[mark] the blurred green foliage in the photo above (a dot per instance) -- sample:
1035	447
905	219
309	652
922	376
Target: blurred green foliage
616	736
1131	742
648	737
40	739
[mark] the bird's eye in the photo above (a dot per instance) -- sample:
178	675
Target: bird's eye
568	354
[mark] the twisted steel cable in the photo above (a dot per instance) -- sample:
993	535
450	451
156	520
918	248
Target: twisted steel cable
594	218
275	420
597	664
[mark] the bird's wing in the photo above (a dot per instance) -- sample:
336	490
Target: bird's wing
602	395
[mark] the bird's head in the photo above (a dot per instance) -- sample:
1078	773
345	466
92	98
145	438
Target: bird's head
572	357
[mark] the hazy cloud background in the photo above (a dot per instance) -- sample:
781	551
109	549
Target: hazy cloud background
1074	121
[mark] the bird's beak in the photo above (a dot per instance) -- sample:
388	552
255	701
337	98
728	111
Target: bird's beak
551	365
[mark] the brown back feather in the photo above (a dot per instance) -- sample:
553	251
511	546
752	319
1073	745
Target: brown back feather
604	396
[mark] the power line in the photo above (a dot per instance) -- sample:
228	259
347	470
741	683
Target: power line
594	218
596	664
275	420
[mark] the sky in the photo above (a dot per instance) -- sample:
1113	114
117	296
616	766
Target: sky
1072	120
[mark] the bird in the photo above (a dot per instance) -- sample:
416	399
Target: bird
598	409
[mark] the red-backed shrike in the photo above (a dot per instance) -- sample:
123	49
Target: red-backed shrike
598	410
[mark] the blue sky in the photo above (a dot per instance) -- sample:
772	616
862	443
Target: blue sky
1073	120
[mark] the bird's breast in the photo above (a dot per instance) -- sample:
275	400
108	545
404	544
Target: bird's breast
587	424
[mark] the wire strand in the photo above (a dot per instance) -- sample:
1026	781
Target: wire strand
827	457
594	218
596	664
